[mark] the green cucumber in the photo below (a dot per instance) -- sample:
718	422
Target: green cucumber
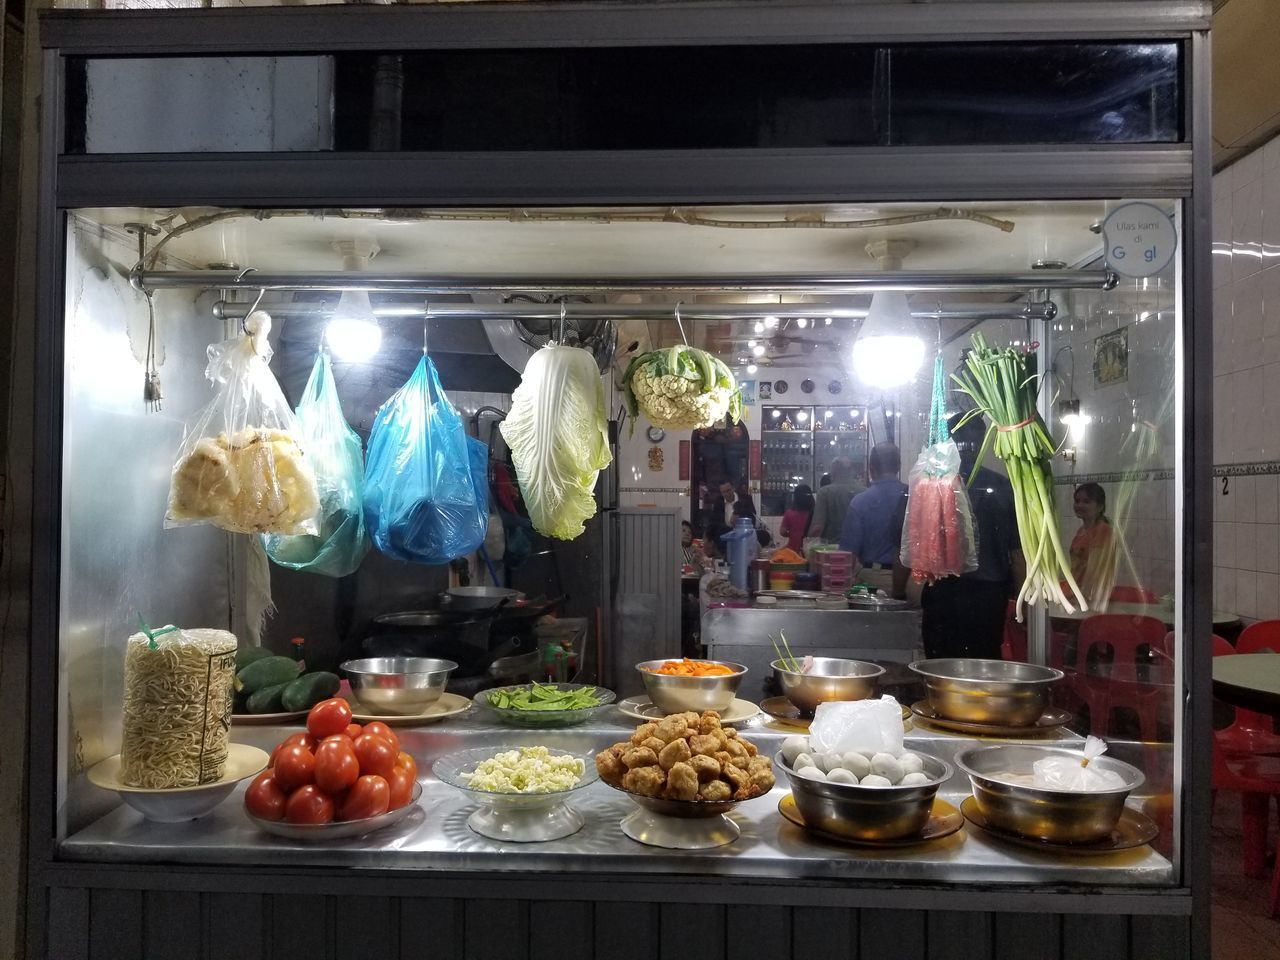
247	655
267	699
309	689
266	672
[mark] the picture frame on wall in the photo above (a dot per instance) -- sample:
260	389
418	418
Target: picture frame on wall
1111	357
748	390
766	390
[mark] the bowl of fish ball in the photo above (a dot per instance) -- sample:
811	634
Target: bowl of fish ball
676	686
686	765
1002	692
1003	781
876	796
824	679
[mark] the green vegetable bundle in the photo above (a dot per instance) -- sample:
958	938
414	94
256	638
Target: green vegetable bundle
681	388
998	382
539	696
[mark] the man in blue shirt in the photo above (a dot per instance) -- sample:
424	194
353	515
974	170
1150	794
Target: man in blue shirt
872	528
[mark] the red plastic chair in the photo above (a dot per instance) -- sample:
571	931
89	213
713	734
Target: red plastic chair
1014	646
1121	639
1263	635
1124	594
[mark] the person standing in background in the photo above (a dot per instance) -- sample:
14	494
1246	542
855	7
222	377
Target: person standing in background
795	521
1093	548
872	529
832	502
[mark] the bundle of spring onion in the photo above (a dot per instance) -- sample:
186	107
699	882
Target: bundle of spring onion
997	381
681	388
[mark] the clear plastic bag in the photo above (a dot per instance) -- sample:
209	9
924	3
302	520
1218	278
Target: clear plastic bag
426	491
938	533
864	726
241	465
337	459
1077	775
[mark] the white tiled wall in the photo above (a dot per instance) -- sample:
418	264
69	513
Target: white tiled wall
1246	360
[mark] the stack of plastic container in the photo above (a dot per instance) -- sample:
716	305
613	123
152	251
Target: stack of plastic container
836	569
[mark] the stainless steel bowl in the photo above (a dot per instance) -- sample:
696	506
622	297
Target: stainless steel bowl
397	686
1000	692
867	813
678	694
828	678
1002	786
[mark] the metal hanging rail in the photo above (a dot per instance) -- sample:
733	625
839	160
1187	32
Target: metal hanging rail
897	281
1035	310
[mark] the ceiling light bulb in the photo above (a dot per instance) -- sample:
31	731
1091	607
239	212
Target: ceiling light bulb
752	368
759	327
353	333
827	321
770	321
777	414
802	416
751	343
801	322
758	350
889	350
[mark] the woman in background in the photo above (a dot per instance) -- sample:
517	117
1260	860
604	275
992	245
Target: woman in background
1093	548
692	555
795	522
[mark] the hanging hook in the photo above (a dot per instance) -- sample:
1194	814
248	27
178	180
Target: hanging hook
560	333
262	292
426	319
680	324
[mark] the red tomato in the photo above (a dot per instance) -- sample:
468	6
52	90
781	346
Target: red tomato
401	784
382	730
309	804
336	765
353	730
295	767
369	797
406	762
303	738
328	717
376	756
264	798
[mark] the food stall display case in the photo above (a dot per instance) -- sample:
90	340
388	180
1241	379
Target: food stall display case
834	107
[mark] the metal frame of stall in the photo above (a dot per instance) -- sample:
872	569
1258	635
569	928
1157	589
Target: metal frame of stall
77	908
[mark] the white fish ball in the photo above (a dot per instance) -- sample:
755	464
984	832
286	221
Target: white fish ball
914	779
828	761
856	763
887	766
801	761
841	775
811	772
911	763
875	780
792	747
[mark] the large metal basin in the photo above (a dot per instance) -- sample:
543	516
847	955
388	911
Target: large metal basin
672	694
1001	692
828	678
1001	779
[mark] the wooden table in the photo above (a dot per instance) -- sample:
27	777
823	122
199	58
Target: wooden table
1159	611
1249	680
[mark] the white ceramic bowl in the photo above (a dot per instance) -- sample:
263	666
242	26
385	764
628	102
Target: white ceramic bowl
176	804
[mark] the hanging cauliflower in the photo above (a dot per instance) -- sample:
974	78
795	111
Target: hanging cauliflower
681	388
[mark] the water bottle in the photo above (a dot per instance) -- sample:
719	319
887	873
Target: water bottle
741	547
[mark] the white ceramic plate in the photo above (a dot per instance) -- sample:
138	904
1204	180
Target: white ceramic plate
449	705
642	708
175	804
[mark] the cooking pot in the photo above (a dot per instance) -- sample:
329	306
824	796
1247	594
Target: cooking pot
470	599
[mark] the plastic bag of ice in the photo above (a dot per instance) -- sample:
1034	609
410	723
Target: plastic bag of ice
867	726
1077	774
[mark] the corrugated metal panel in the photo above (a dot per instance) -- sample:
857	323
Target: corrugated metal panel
86	924
647	610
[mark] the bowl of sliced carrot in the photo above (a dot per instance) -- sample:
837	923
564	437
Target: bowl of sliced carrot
678	685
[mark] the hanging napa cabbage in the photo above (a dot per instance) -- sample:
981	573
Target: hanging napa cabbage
558	434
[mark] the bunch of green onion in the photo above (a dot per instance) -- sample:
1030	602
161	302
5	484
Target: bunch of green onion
998	383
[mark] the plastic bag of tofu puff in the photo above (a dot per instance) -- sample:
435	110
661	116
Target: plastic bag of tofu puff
864	726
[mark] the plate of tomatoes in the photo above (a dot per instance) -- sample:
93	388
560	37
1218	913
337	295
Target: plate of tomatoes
335	779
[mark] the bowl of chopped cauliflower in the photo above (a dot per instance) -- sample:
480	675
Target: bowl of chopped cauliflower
520	789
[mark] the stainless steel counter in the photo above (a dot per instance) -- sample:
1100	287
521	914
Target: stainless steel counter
436	836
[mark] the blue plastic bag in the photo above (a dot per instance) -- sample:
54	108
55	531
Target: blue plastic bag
333	449
426	490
